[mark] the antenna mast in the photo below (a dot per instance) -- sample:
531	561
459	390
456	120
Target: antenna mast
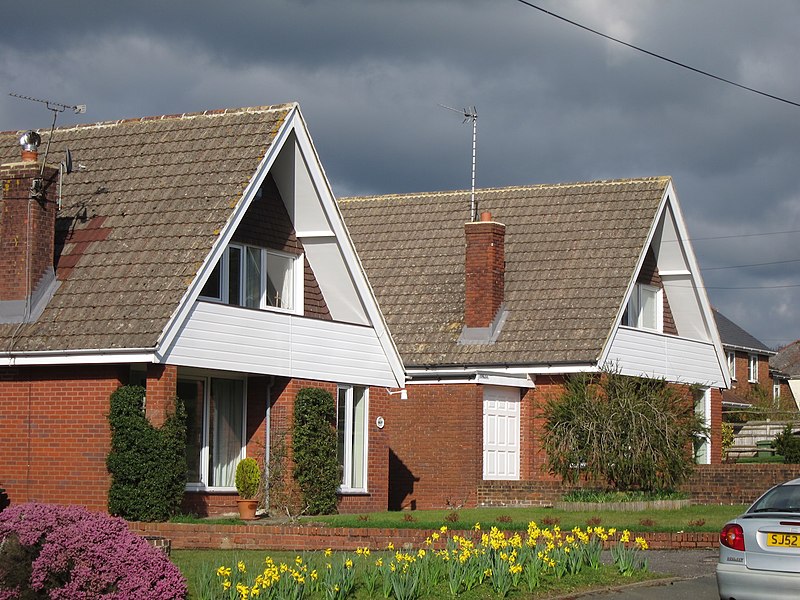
470	114
56	107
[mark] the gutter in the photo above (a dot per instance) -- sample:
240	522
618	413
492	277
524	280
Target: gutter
79	356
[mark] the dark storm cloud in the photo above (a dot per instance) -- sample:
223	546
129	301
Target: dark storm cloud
555	103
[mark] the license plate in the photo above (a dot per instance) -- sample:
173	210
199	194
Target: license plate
784	540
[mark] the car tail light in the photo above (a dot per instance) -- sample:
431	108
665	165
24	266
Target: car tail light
732	536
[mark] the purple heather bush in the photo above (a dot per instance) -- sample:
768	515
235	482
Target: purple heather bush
69	553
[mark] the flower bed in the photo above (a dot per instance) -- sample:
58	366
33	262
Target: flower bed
444	563
626	506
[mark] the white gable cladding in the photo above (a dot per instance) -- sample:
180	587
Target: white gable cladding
230	338
640	353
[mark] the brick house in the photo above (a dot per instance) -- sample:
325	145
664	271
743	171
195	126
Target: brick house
202	255
784	368
490	315
748	361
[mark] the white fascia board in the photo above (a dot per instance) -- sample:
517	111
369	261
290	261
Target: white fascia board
79	357
335	219
514	375
180	315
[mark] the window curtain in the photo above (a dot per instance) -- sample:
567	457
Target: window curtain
226	414
359	438
280	288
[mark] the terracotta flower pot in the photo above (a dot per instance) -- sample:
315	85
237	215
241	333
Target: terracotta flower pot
247	509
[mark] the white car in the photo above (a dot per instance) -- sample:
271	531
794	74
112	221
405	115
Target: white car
759	551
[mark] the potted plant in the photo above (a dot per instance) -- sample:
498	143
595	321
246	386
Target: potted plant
248	480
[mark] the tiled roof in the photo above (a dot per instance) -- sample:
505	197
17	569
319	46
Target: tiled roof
571	252
142	209
732	335
787	360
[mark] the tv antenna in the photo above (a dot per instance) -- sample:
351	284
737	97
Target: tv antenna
470	114
56	107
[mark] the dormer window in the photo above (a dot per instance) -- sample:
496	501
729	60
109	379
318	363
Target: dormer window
645	308
256	278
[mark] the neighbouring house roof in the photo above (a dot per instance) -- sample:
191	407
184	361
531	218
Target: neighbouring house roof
787	361
734	337
141	211
571	253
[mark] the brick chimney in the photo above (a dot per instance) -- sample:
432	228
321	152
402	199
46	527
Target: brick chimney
27	234
484	270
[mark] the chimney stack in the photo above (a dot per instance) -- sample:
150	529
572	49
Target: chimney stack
484	270
27	234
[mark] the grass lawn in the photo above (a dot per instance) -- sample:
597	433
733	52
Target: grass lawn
699	517
201	565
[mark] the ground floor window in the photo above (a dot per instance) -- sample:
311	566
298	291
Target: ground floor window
702	443
351	429
215	409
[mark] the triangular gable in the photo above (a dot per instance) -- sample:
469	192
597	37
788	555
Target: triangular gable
690	308
293	163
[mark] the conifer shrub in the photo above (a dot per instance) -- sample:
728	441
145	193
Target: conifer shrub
147	465
49	551
787	445
316	468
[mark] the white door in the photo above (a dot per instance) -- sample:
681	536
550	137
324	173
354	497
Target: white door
500	432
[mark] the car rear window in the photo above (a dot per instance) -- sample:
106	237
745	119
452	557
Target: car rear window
784	498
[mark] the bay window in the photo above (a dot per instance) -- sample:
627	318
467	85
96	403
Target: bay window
256	278
351	430
215	434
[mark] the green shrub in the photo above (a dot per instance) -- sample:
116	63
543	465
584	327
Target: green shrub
316	468
787	445
248	478
622	432
147	465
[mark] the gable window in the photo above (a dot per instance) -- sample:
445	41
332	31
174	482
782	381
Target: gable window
732	365
752	369
644	308
351	431
215	436
256	278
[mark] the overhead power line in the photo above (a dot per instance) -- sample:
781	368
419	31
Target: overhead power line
658	56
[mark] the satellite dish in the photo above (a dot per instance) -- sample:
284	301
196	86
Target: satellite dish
68	162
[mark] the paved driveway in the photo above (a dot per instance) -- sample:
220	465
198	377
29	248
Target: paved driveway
693	572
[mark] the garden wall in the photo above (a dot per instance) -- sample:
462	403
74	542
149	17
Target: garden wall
299	537
709	484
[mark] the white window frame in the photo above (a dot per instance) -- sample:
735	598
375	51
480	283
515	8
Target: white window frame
776	388
225	275
346	462
702	407
752	368
635	314
732	364
202	485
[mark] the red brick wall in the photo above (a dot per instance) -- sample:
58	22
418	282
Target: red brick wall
55	434
484	271
15	202
736	483
162	381
286	537
436	446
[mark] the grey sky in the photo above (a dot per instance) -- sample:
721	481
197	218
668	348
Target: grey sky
555	103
